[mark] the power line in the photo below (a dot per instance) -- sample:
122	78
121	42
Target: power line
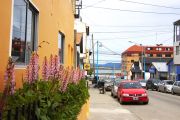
93	4
154	5
136	26
129	31
135	11
150	35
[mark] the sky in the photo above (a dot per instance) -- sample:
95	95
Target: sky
146	22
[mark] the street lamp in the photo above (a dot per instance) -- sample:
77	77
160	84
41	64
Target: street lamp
99	44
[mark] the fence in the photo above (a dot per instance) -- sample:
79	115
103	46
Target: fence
27	112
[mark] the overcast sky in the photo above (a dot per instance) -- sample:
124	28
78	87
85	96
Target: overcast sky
116	26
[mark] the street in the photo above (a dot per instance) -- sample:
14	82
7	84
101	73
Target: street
162	106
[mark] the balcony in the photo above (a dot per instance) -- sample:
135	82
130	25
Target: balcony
78	6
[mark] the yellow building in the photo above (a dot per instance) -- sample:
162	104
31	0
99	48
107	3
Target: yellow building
128	57
43	25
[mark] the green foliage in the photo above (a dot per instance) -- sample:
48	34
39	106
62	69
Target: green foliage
52	104
90	72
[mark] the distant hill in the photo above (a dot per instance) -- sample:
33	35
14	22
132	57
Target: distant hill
110	65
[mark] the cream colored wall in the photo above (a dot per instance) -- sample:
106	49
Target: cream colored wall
128	60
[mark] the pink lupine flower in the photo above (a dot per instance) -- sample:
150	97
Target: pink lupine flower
10	77
61	72
33	68
56	65
75	76
45	69
51	66
71	75
64	81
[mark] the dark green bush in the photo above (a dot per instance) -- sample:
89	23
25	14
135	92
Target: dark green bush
51	103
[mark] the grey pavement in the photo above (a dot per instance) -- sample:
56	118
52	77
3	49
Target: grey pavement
104	107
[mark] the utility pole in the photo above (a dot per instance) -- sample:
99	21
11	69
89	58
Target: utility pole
97	62
93	55
144	63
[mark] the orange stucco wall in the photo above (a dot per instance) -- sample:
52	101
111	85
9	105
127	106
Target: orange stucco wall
54	16
5	31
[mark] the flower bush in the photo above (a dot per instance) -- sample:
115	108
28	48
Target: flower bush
59	95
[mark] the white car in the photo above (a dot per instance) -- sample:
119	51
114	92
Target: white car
143	83
114	87
165	86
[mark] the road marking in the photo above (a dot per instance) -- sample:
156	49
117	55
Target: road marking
110	111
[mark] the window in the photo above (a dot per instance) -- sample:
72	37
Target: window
177	50
177	33
168	49
159	55
149	48
149	55
167	55
61	38
24	32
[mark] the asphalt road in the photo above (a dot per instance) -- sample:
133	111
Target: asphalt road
162	106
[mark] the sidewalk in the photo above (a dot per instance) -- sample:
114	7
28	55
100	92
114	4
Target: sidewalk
104	107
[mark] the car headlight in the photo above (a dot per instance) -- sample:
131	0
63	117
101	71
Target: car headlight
126	95
155	84
144	94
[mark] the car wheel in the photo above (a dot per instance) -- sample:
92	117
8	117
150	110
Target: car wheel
145	103
111	94
165	91
120	101
172	92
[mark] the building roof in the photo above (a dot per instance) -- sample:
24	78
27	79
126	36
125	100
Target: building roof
133	49
177	22
160	66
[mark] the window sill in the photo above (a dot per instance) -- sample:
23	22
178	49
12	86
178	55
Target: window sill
20	66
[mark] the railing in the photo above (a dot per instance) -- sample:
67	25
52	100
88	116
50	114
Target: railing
28	112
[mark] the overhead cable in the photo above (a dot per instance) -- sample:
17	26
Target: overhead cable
154	5
135	11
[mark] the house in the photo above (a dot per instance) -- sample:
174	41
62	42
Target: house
143	56
173	71
128	57
176	43
159	70
45	26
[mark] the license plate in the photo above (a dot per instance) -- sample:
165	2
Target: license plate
135	98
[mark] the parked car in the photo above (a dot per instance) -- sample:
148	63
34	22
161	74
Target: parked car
114	87
131	91
108	84
176	88
165	86
152	84
143	83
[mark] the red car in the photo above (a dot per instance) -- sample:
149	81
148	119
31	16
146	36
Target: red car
131	91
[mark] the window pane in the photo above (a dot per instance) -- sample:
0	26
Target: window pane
29	36
18	38
61	47
177	50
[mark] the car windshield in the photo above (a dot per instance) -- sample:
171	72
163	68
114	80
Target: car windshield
131	85
143	81
169	82
156	81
